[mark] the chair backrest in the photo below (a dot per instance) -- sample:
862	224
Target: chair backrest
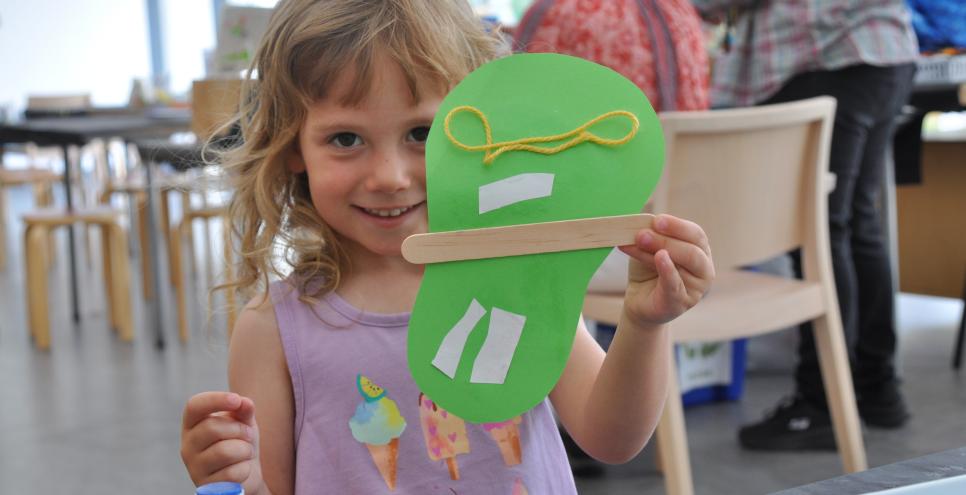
753	178
213	103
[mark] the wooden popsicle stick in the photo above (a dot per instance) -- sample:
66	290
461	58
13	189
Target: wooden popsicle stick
515	240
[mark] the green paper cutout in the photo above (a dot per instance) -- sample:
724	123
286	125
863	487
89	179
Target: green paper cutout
524	96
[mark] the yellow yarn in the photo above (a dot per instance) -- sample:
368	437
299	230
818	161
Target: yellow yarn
578	135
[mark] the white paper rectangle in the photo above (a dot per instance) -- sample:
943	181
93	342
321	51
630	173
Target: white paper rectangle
448	355
503	335
514	189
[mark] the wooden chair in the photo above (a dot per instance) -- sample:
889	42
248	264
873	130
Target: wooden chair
178	234
213	102
755	180
116	278
134	187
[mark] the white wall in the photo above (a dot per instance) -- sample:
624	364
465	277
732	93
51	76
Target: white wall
189	30
72	46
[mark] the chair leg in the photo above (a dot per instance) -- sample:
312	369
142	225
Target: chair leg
165	219
230	296
116	247
34	238
837	377
189	233
146	280
179	279
106	266
958	350
672	441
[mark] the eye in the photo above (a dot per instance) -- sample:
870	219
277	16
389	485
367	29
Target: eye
419	134
345	140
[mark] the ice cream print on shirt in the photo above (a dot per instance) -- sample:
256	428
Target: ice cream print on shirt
444	433
378	425
527	141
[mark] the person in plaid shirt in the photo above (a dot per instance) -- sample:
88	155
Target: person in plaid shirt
862	52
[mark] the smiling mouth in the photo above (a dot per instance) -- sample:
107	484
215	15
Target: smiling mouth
389	212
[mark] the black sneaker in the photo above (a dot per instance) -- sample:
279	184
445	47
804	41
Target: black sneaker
882	405
794	424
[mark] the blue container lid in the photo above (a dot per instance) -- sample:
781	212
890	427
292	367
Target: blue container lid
220	488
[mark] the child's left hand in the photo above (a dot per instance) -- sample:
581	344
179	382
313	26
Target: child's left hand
670	270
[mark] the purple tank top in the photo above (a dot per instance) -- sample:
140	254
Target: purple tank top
362	426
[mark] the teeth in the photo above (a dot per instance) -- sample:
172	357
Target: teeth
395	212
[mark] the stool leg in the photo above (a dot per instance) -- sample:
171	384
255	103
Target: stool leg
108	277
35	237
146	280
121	282
178	278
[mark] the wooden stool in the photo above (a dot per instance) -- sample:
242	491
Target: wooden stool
40	178
37	226
182	231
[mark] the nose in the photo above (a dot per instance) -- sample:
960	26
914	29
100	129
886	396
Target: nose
391	171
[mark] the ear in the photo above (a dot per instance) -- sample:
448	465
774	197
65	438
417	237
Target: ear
294	160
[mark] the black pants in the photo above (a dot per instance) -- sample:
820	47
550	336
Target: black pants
868	100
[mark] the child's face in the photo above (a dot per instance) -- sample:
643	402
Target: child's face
365	164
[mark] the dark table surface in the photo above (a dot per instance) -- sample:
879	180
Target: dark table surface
79	129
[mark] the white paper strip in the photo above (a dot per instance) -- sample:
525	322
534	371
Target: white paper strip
514	189
493	361
448	355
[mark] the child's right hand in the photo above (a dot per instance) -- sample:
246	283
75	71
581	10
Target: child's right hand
219	440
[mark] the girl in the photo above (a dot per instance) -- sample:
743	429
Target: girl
332	169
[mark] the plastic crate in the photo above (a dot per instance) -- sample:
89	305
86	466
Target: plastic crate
722	392
941	70
701	395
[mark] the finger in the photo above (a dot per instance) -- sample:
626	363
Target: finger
668	276
236	473
245	412
223	454
682	229
204	404
686	255
216	428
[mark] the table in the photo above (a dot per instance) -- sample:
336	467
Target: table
907	473
65	132
926	251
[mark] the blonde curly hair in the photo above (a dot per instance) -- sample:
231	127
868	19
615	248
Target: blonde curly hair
308	44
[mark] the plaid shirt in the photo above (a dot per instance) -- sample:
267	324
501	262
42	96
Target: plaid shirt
774	40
